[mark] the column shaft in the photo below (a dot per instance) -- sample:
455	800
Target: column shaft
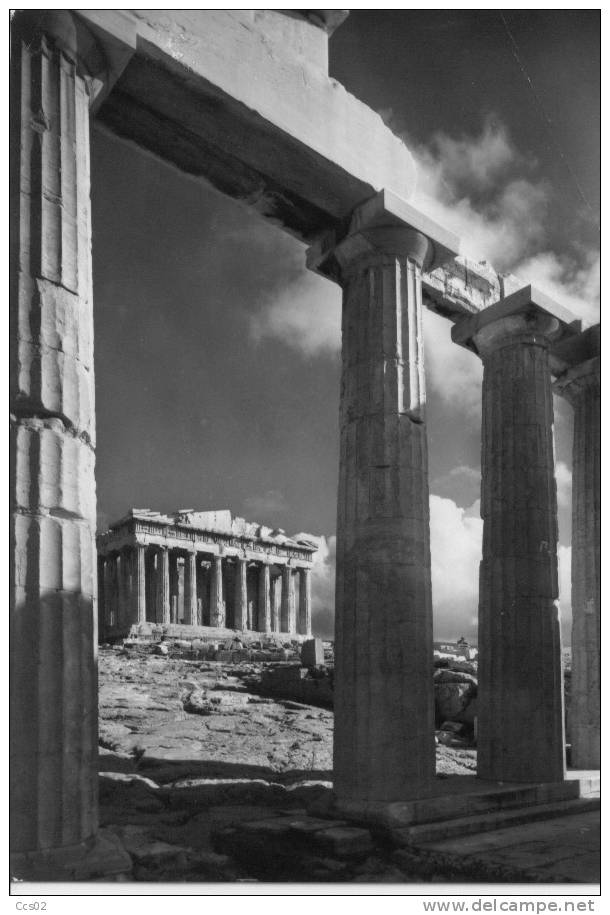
241	594
287	606
264	599
217	608
581	386
304	626
384	705
122	608
140	583
191	589
53	624
276	602
520	723
164	582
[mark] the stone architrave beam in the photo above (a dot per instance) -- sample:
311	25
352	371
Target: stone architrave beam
384	704
288	143
580	385
520	698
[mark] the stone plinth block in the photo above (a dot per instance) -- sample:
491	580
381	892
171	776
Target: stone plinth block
312	653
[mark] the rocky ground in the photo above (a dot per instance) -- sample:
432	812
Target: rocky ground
190	755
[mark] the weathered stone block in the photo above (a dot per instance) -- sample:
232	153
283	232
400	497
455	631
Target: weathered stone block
312	653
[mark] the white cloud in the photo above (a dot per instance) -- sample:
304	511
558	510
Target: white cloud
455	545
573	284
323	588
564	555
476	187
484	189
462	483
452	371
261	506
460	162
305	314
563	478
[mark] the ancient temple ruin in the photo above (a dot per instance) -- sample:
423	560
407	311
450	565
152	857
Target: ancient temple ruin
206	571
296	147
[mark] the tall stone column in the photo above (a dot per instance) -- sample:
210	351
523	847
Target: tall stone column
581	386
276	603
384	703
264	599
108	596
304	626
140	582
241	594
217	604
164	586
121	572
520	692
190	594
287	606
53	624
101	595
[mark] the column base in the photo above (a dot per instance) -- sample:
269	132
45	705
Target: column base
464	796
102	856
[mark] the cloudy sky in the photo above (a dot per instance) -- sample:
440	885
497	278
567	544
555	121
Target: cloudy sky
217	354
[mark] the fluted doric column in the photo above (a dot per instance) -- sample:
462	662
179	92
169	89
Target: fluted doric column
164	586
581	387
53	575
288	606
384	703
264	599
140	582
304	623
276	602
241	594
217	604
190	589
520	691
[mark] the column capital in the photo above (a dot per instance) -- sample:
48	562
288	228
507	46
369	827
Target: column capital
580	378
527	314
383	226
100	42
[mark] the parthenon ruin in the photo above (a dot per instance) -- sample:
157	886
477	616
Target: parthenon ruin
205	570
296	147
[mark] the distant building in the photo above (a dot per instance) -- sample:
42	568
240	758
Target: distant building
203	569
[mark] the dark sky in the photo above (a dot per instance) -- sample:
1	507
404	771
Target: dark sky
204	398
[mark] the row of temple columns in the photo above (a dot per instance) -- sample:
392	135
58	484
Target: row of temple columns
384	703
141	583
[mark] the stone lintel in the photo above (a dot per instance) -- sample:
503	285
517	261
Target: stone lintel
385	210
526	301
266	141
572	351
